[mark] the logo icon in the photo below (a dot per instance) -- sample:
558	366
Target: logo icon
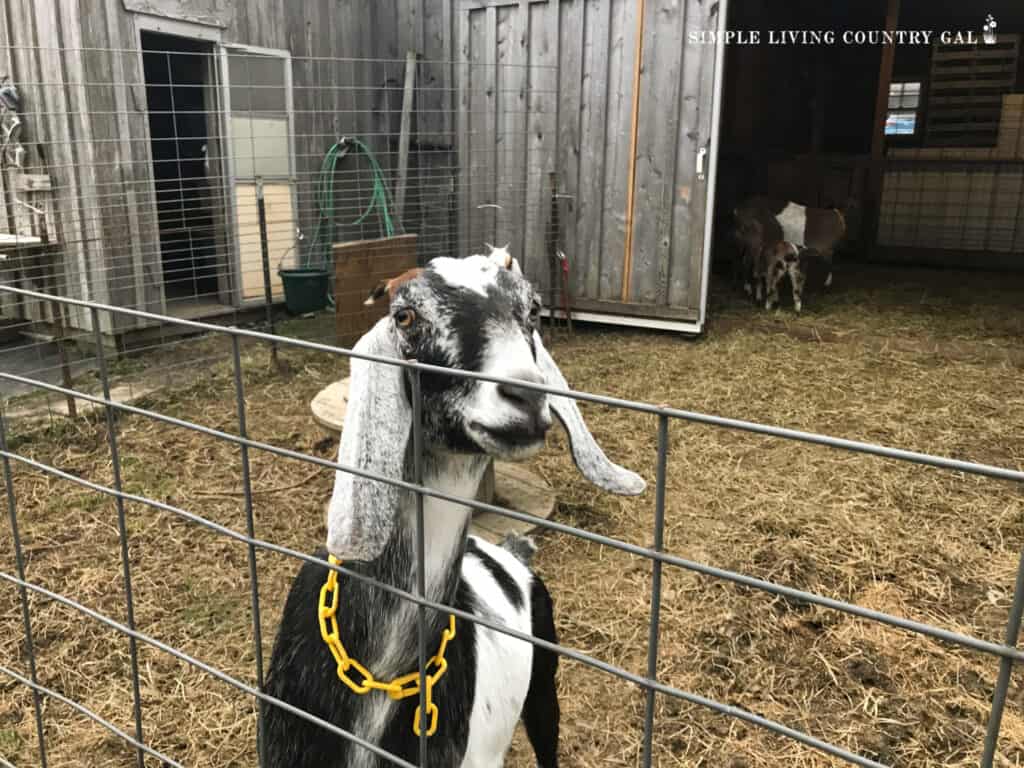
988	30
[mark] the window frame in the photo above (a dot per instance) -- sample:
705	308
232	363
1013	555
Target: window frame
224	52
898	91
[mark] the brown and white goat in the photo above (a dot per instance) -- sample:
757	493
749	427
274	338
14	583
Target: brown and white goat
780	237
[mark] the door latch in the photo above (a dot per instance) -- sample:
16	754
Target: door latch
701	154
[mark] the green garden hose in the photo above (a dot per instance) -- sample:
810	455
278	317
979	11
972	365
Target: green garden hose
319	253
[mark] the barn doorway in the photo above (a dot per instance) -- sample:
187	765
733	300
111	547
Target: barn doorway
923	137
180	76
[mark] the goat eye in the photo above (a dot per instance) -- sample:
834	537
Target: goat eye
405	318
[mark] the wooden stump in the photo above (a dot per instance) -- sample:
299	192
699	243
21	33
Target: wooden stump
504	484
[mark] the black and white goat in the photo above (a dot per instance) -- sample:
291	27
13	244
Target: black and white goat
476	314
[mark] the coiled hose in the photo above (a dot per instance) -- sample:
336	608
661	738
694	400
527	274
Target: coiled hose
319	253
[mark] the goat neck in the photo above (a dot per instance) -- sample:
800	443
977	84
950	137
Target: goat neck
445	526
445	529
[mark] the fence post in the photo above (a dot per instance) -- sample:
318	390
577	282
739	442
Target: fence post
995	720
655	625
421	561
250	529
26	618
122	529
268	293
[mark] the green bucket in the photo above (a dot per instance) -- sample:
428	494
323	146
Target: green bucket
305	289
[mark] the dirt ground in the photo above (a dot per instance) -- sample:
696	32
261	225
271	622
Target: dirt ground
929	361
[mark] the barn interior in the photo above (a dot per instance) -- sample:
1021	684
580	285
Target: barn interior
925	139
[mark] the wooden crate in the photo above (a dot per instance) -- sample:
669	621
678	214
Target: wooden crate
358	267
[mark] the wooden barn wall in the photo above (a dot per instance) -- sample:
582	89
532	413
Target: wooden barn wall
568	112
56	137
78	67
511	97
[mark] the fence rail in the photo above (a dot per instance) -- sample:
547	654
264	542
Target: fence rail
1007	652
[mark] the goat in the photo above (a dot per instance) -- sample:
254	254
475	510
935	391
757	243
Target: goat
761	224
474	314
497	253
781	259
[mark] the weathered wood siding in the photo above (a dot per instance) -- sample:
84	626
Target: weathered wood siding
78	65
511	96
570	111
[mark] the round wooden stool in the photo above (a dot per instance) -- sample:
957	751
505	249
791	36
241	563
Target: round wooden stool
505	484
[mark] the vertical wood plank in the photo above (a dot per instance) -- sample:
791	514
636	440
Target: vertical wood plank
488	181
238	32
542	106
10	306
617	146
6	45
261	33
571	25
334	44
83	35
464	129
345	70
279	38
419	22
694	132
657	141
593	134
689	105
480	184
349	117
70	145
40	123
511	76
431	81
448	49
146	297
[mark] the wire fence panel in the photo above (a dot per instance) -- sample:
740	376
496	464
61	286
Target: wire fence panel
160	203
131	506
195	180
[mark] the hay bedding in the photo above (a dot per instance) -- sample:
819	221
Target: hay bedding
918	368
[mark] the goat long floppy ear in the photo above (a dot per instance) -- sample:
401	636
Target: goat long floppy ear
376	431
589	458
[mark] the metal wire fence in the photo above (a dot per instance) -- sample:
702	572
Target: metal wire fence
187	179
1006	652
160	186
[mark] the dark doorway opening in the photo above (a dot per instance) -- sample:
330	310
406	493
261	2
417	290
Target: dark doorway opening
178	74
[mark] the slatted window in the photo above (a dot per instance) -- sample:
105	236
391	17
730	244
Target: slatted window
966	91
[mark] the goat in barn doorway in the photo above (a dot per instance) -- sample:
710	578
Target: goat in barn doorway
789	235
474	314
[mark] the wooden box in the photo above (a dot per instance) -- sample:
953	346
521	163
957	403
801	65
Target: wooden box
358	267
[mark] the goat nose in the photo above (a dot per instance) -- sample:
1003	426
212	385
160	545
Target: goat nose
527	399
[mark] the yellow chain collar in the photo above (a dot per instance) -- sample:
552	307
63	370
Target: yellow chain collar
401	687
